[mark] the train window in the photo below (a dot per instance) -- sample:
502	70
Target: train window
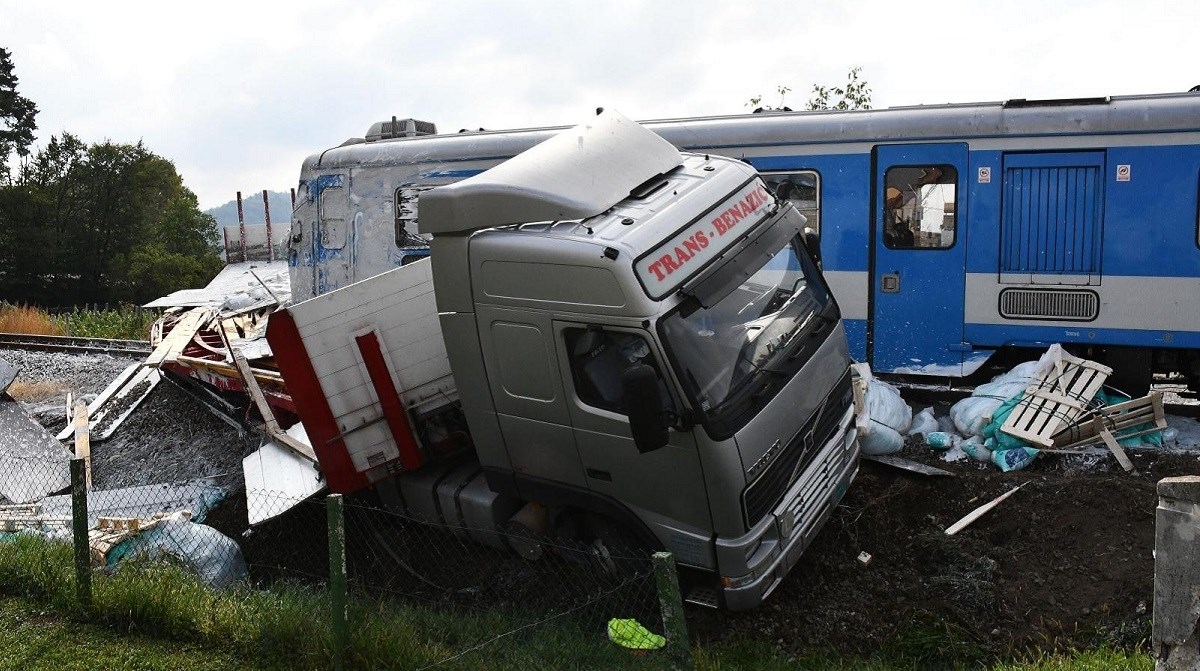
919	207
406	216
803	189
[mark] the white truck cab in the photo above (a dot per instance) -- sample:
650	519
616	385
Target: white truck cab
608	328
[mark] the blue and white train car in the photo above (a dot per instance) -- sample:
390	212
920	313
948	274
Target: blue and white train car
947	232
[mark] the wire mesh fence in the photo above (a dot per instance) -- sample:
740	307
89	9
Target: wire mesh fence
381	587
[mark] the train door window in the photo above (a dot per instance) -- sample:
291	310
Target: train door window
802	189
332	211
919	207
598	358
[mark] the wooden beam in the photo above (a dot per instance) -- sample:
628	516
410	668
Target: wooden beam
272	425
1113	445
83	441
979	512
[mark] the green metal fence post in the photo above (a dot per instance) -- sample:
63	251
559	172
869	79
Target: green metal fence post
674	624
79	533
337	579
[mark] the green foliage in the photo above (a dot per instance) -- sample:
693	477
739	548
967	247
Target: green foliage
16	116
101	223
855	95
125	323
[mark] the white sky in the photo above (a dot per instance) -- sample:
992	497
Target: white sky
237	94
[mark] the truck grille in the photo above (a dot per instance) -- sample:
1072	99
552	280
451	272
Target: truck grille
764	493
1049	304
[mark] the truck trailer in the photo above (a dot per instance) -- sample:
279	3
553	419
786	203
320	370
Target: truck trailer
611	338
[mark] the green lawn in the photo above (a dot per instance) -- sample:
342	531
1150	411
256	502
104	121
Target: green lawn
32	639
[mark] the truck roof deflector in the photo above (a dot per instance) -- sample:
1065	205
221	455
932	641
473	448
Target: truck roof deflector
578	173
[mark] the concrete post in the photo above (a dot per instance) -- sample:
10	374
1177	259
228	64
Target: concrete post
1177	574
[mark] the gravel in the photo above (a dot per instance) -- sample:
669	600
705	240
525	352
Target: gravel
170	437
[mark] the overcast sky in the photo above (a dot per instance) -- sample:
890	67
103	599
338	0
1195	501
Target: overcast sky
237	94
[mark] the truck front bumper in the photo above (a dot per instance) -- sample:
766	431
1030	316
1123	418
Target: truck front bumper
775	544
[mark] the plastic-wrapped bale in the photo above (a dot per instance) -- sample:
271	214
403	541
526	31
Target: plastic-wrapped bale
215	557
973	413
884	417
923	422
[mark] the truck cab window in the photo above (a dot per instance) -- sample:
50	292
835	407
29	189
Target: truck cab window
598	358
919	207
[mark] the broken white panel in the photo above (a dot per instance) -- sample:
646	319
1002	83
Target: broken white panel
112	388
8	373
278	479
32	463
144	501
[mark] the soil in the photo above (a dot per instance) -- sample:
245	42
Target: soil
1066	562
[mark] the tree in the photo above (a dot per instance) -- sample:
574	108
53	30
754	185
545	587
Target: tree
855	95
16	116
102	223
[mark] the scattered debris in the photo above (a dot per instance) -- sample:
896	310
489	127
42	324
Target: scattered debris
907	464
8	373
979	512
32	463
278	478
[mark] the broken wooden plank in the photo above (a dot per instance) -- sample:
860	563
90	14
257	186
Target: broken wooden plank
122	404
1120	419
980	512
177	339
272	425
113	387
907	464
83	442
1114	446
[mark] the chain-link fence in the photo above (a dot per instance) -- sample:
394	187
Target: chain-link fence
364	585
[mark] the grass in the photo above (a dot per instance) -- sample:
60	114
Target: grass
27	320
124	323
139	608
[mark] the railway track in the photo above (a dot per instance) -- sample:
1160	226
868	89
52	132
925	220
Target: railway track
70	344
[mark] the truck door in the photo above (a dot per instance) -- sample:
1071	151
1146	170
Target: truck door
918	272
667	481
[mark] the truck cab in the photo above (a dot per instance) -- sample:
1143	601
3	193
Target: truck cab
636	336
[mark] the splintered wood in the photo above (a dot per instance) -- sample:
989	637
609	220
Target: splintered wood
1056	400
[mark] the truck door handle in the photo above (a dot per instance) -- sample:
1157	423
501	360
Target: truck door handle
890	283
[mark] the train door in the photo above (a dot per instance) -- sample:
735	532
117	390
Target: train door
918	271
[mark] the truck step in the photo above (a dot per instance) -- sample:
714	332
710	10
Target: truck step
704	596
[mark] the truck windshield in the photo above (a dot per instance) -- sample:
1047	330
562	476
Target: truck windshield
735	355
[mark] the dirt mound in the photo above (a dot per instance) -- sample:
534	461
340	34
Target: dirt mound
1065	562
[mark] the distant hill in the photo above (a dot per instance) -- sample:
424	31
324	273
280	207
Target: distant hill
252	209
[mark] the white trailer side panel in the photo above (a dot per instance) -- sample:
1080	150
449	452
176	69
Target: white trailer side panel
399	307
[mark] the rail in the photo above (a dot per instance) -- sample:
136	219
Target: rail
45	343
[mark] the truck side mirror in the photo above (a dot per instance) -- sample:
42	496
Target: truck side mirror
644	407
812	242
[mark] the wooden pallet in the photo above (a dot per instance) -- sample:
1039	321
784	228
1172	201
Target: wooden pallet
1105	426
1056	400
112	531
